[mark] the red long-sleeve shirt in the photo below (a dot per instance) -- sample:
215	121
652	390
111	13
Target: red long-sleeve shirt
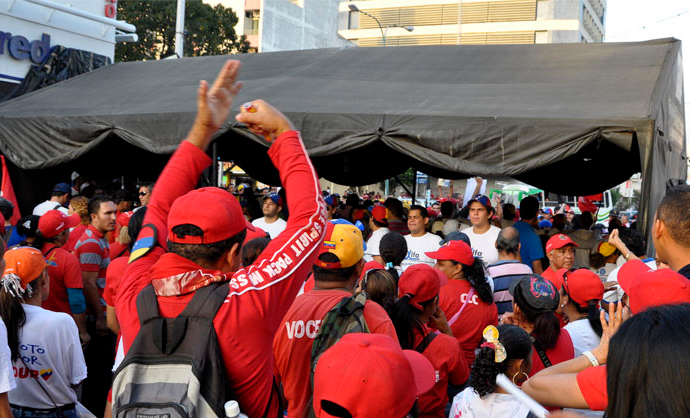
260	294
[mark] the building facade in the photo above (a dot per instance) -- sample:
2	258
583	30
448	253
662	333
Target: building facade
472	22
286	25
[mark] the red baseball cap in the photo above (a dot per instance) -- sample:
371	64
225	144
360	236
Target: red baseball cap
583	285
380	214
254	233
371	376
457	251
54	222
421	283
648	288
558	241
371	265
214	210
124	217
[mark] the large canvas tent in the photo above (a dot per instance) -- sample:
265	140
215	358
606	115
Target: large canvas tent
569	118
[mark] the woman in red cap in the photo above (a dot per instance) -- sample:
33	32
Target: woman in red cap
416	308
467	300
580	296
45	347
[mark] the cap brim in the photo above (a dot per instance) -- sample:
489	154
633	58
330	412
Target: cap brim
442	278
423	370
436	255
249	225
629	272
73	220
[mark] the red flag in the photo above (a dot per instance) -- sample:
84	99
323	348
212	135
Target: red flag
7	191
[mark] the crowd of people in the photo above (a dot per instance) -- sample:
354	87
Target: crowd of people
303	303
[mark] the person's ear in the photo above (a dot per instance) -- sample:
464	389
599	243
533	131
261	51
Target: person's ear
658	228
232	258
359	268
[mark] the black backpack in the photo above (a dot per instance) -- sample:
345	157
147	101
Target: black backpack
174	368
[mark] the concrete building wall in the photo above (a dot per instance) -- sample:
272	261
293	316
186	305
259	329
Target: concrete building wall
306	24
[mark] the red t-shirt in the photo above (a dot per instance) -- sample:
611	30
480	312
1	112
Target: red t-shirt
562	351
74	236
293	342
260	294
445	355
476	316
93	252
64	272
113	276
550	275
592	383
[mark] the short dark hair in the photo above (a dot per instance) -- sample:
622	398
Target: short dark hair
587	220
634	241
333	275
95	203
447	209
123	195
203	254
147	184
394	206
508	211
422	210
56	193
508	240
674	211
529	206
6	208
253	248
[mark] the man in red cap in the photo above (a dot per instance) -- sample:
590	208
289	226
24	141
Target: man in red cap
66	287
203	231
369	375
336	273
581	382
560	250
379	227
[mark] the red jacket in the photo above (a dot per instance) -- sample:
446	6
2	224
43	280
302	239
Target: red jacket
260	294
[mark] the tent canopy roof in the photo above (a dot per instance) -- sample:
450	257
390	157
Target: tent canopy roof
369	113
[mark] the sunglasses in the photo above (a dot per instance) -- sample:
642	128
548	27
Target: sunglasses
143	193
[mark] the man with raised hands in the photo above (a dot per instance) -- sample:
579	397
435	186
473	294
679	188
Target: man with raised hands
197	236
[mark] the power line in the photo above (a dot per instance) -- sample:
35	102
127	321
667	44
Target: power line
675	15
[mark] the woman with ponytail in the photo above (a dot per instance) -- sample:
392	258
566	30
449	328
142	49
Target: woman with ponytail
580	294
415	310
393	249
44	345
467	299
535	301
506	350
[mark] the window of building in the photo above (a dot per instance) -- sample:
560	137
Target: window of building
251	22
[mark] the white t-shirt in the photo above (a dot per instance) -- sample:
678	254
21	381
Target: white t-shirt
604	272
7	382
274	229
484	245
583	336
44	207
50	347
468	404
417	246
373	244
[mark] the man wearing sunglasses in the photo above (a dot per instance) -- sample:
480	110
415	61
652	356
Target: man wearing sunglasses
145	191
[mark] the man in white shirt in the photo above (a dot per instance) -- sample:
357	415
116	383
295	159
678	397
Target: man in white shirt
58	199
419	241
379	226
482	234
271	223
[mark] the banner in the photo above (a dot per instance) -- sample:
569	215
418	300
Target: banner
7	191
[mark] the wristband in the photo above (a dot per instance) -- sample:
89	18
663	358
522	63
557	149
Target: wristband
592	359
627	256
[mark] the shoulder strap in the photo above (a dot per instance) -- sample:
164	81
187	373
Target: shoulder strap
124	250
207	301
426	342
147	305
542	354
457	315
58	206
50	251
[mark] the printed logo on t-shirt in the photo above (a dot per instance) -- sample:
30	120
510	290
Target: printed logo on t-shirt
412	255
477	253
300	329
153	416
474	300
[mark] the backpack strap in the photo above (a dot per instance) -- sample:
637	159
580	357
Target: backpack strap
426	342
206	301
147	305
542	354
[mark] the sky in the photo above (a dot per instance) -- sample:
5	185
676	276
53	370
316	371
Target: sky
639	20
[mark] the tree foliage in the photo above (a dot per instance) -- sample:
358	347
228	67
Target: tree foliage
208	30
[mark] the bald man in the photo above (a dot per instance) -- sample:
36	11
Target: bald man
507	269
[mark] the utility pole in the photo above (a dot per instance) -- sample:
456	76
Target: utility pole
179	29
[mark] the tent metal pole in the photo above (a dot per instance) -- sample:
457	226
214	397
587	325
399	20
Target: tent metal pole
414	187
214	166
402	185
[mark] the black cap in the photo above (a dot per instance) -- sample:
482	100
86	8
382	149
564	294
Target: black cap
538	292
